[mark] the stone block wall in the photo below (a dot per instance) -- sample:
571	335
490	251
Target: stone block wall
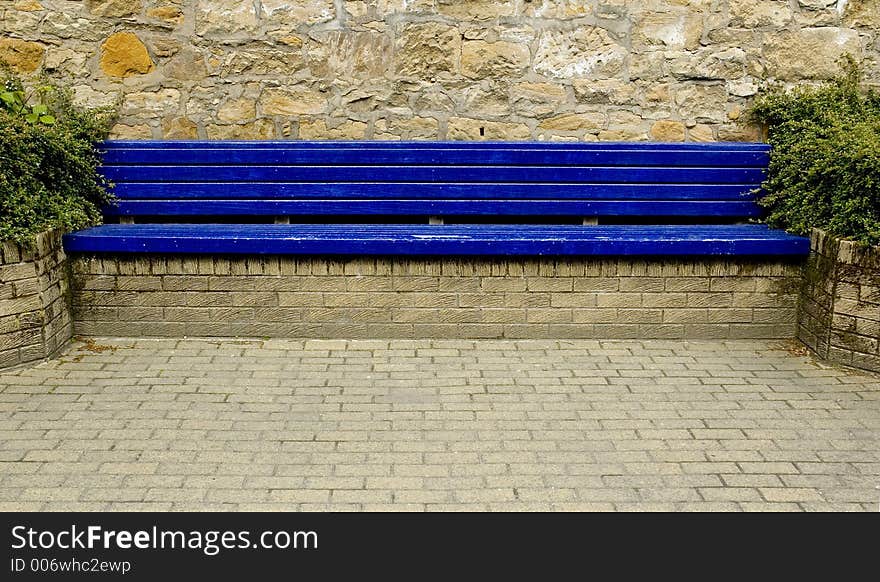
34	316
668	70
254	296
839	309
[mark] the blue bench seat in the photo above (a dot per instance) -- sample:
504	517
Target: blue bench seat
357	198
459	240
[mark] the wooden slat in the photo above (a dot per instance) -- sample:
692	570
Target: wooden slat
461	240
283	178
380	191
435	174
438	157
427	207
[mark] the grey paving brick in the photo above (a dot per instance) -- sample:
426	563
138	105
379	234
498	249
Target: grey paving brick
730	494
440	425
790	494
751	480
755	507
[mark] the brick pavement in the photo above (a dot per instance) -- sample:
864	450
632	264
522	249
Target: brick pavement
437	425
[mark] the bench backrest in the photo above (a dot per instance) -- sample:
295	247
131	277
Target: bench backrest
417	179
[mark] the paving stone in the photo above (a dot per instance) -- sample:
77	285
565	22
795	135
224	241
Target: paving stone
730	494
755	507
790	494
437	425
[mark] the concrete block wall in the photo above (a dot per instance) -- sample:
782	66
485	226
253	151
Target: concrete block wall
253	296
34	315
839	309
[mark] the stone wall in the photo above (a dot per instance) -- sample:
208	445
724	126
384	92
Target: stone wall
839	309
427	69
155	295
34	316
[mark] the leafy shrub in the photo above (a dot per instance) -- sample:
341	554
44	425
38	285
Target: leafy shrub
48	160
825	163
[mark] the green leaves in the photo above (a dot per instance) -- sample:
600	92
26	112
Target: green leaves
15	101
10	99
825	162
48	162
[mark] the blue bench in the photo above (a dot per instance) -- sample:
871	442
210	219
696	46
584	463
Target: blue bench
435	198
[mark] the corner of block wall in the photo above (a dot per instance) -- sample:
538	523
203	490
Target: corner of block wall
839	303
35	315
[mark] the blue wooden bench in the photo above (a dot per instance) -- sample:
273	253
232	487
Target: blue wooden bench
430	198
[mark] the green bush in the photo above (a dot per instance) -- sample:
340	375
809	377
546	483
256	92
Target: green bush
825	163
48	160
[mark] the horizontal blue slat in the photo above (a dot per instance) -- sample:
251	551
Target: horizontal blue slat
446	178
434	207
379	190
409	145
437	157
436	174
483	240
